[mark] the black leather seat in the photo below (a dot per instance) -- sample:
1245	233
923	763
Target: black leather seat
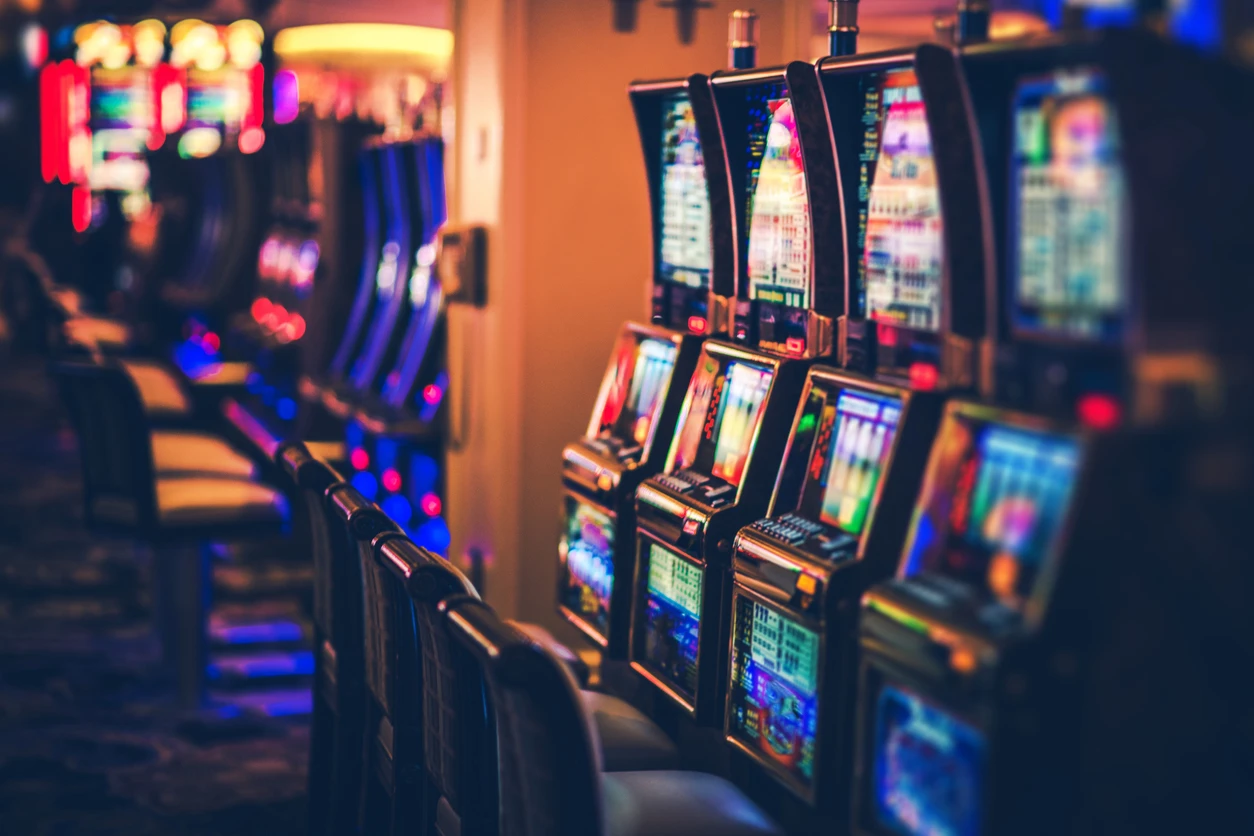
123	492
336	732
551	781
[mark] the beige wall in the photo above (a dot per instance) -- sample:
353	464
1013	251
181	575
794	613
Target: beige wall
549	157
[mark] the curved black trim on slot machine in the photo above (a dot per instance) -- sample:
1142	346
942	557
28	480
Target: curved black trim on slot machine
355	330
790	331
672	305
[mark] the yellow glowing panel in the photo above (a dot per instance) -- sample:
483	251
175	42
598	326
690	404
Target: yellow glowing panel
367	44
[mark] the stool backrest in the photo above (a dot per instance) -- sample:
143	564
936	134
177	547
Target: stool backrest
360	521
458	743
312	478
114	446
549	765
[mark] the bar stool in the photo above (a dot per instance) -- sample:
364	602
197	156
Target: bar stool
336	733
398	655
551	781
123	492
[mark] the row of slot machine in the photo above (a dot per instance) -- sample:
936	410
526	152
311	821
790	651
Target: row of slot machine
345	334
940	339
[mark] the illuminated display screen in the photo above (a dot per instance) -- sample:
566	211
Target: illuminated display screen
587	555
641	374
774	687
992	506
899	218
672	617
851	453
121	123
723	410
1068	208
928	772
778	208
686	238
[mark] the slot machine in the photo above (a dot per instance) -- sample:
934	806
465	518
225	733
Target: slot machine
643	387
979	660
400	426
860	435
733	424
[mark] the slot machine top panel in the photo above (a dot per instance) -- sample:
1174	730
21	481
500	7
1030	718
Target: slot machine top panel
719	423
688	190
919	248
993	513
1090	117
785	191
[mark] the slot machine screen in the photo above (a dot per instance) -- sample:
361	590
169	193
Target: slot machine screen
686	248
1068	209
121	121
899	217
993	504
851	452
723	410
778	208
928	768
587	554
672	616
774	687
642	372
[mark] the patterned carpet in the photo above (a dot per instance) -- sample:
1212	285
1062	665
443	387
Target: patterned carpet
89	739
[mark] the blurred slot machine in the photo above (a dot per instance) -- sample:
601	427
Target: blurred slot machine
982	702
860	435
643	387
784	220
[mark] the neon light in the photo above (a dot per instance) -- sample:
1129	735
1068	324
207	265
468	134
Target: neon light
286	96
34	46
431	505
697	324
199	142
433	535
251	140
297	326
885	335
1099	411
359	459
211	341
391	480
261	306
400	43
795	345
49	121
286	409
923	376
432	393
366	484
80	208
256	112
398	508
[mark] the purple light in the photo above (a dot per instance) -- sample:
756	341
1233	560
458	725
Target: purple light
286	96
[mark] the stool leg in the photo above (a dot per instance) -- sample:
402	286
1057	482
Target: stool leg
184	584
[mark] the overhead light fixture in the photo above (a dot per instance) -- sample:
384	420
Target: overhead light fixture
367	44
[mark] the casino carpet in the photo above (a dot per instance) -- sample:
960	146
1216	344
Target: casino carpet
89	739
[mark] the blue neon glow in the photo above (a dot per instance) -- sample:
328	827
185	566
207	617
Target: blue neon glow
385	453
354	436
398	508
263	633
433	535
287	409
366	484
423	471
